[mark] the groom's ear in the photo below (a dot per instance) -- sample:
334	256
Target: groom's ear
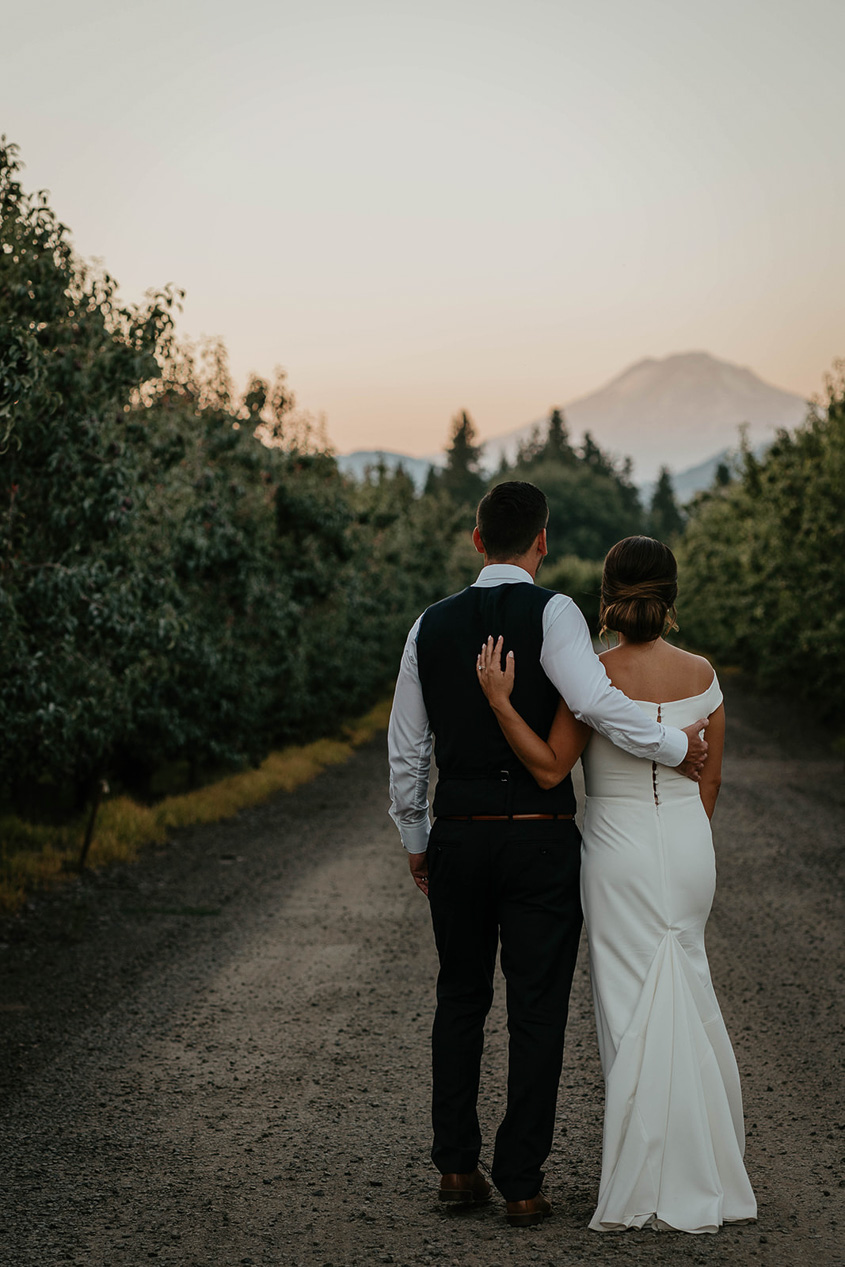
477	542
542	544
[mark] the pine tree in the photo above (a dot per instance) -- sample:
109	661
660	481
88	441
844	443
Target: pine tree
461	479
531	450
593	456
504	468
666	520
558	447
432	480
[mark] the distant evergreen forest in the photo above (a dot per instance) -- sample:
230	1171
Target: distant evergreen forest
592	500
187	577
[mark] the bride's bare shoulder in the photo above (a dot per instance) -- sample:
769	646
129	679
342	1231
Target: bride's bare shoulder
608	654
697	667
611	661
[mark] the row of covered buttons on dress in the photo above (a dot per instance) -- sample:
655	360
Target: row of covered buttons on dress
654	765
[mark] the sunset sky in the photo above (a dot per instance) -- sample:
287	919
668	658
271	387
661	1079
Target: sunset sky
418	208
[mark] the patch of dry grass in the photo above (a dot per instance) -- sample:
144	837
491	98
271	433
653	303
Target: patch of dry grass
33	856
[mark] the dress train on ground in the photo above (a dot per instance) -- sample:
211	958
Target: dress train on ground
674	1139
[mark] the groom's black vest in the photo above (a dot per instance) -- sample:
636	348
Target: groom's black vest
478	773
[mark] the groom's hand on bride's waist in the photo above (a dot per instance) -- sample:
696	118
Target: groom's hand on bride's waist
693	762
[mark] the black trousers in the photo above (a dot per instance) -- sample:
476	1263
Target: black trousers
518	883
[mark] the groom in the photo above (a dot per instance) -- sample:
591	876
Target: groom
501	862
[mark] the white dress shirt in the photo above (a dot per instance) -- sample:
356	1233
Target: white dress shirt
568	660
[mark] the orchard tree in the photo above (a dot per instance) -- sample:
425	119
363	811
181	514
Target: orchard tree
761	577
80	617
185	573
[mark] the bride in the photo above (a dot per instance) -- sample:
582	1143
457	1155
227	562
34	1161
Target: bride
673	1129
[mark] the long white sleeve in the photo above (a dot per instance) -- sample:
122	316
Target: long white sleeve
409	751
569	661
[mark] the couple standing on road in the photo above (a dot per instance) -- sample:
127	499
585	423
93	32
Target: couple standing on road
504	676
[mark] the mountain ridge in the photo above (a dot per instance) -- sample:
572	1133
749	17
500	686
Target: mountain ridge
686	483
683	411
676	411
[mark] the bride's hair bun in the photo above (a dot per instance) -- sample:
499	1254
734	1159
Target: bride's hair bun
639	586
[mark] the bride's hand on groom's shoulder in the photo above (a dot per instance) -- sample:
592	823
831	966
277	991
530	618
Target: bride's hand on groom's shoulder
693	762
496	682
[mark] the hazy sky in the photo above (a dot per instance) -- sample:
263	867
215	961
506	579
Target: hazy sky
422	207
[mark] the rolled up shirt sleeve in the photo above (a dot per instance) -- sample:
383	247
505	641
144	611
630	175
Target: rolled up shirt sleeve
409	751
569	661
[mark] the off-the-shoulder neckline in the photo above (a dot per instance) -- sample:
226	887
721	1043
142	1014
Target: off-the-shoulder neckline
683	700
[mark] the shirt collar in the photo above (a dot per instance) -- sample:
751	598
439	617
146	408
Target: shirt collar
502	574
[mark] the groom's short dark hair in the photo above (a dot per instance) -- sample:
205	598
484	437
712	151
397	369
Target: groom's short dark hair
510	517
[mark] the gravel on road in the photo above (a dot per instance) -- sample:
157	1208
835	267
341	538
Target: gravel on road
219	1056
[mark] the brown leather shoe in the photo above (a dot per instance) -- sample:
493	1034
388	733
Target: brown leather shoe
524	1213
469	1189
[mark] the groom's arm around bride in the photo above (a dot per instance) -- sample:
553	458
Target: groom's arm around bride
501	863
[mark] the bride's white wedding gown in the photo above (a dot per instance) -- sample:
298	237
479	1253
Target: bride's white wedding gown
673	1131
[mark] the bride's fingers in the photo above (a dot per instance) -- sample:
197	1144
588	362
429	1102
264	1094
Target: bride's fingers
509	671
488	662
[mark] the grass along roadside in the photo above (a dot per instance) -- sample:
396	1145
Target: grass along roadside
33	856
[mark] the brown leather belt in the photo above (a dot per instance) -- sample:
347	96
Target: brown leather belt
501	818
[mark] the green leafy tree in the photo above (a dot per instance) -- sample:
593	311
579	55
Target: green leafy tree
592	499
588	511
762	582
185	575
581	580
78	613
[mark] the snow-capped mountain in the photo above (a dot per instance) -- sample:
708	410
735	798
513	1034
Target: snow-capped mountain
683	411
674	412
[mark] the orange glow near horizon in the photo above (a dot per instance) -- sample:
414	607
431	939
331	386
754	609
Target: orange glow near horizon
462	205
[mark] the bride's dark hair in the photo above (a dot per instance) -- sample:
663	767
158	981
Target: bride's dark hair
639	585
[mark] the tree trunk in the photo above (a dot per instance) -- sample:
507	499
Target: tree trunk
99	788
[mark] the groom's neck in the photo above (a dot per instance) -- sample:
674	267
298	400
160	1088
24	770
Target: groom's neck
529	562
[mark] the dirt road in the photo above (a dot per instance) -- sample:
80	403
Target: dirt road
220	1056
